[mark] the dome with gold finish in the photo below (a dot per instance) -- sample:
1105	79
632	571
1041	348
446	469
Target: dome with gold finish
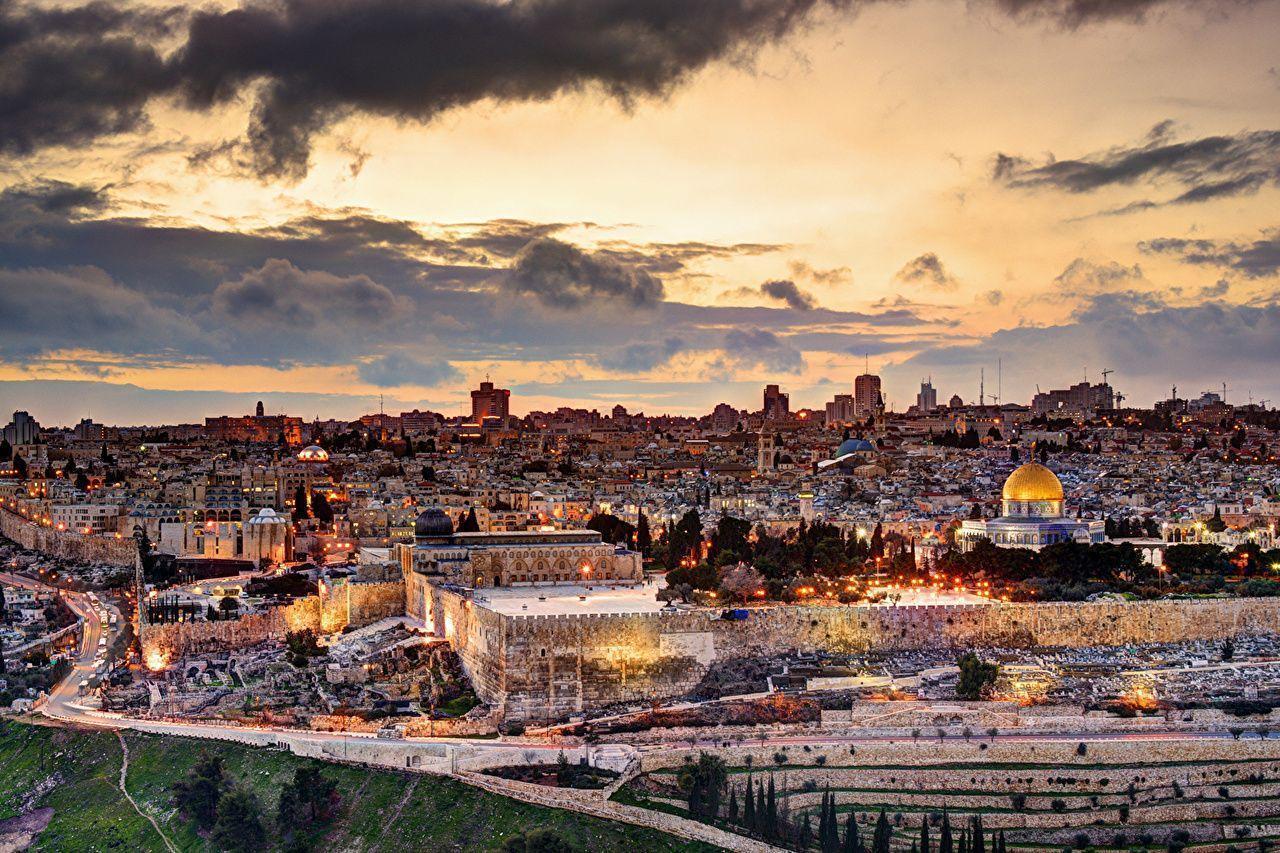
1033	482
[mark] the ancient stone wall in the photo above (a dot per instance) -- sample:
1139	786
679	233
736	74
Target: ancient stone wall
355	605
478	635
71	546
552	666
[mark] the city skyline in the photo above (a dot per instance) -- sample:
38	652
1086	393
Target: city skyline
778	192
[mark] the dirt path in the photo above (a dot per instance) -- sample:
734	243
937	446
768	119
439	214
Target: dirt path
124	771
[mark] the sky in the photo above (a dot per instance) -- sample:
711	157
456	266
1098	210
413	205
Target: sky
331	205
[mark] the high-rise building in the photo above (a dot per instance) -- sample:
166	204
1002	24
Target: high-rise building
23	429
927	399
724	417
490	402
261	410
867	402
840	410
1081	398
777	405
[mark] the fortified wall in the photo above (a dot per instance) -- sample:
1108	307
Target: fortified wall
71	546
542	668
337	607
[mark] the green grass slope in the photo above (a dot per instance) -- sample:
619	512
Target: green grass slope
75	773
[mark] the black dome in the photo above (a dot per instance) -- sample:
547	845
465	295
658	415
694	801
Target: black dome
433	522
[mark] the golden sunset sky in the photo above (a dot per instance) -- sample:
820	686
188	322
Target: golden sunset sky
655	203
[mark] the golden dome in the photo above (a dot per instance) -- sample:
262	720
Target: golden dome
1032	482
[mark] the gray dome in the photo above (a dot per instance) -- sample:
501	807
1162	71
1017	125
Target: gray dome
433	522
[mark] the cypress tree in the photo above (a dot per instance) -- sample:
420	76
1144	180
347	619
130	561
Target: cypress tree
979	844
771	811
852	841
883	835
964	841
1000	841
915	848
924	835
945	841
733	804
805	837
749	808
824	817
762	812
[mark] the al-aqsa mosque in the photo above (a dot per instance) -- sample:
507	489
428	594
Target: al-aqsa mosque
1031	515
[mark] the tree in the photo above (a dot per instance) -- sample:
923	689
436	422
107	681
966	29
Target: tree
238	828
741	581
703	783
976	676
771	811
537	841
6	450
320	508
470	524
852	839
945	841
749	807
300	503
644	537
198	794
310	798
883	836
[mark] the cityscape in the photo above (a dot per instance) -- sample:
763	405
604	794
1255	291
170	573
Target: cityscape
554	427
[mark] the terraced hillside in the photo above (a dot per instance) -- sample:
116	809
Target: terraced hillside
1207	795
61	786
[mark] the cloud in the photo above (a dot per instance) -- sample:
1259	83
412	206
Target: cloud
1084	277
927	271
43	310
1151	345
397	369
1207	168
73	74
830	277
1258	258
993	297
787	291
755	349
643	357
565	276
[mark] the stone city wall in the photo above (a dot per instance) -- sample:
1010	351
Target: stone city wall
354	605
543	668
70	546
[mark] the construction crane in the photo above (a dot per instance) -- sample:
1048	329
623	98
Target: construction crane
1105	373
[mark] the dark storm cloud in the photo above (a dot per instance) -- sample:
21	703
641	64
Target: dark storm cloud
1074	13
320	61
341	287
1255	259
564	276
642	357
928	271
1207	168
786	291
70	75
756	349
45	310
1151	344
397	369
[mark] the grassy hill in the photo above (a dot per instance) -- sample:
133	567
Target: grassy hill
76	774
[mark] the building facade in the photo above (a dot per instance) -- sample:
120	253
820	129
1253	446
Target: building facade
1031	515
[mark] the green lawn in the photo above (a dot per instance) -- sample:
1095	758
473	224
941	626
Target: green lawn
75	773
